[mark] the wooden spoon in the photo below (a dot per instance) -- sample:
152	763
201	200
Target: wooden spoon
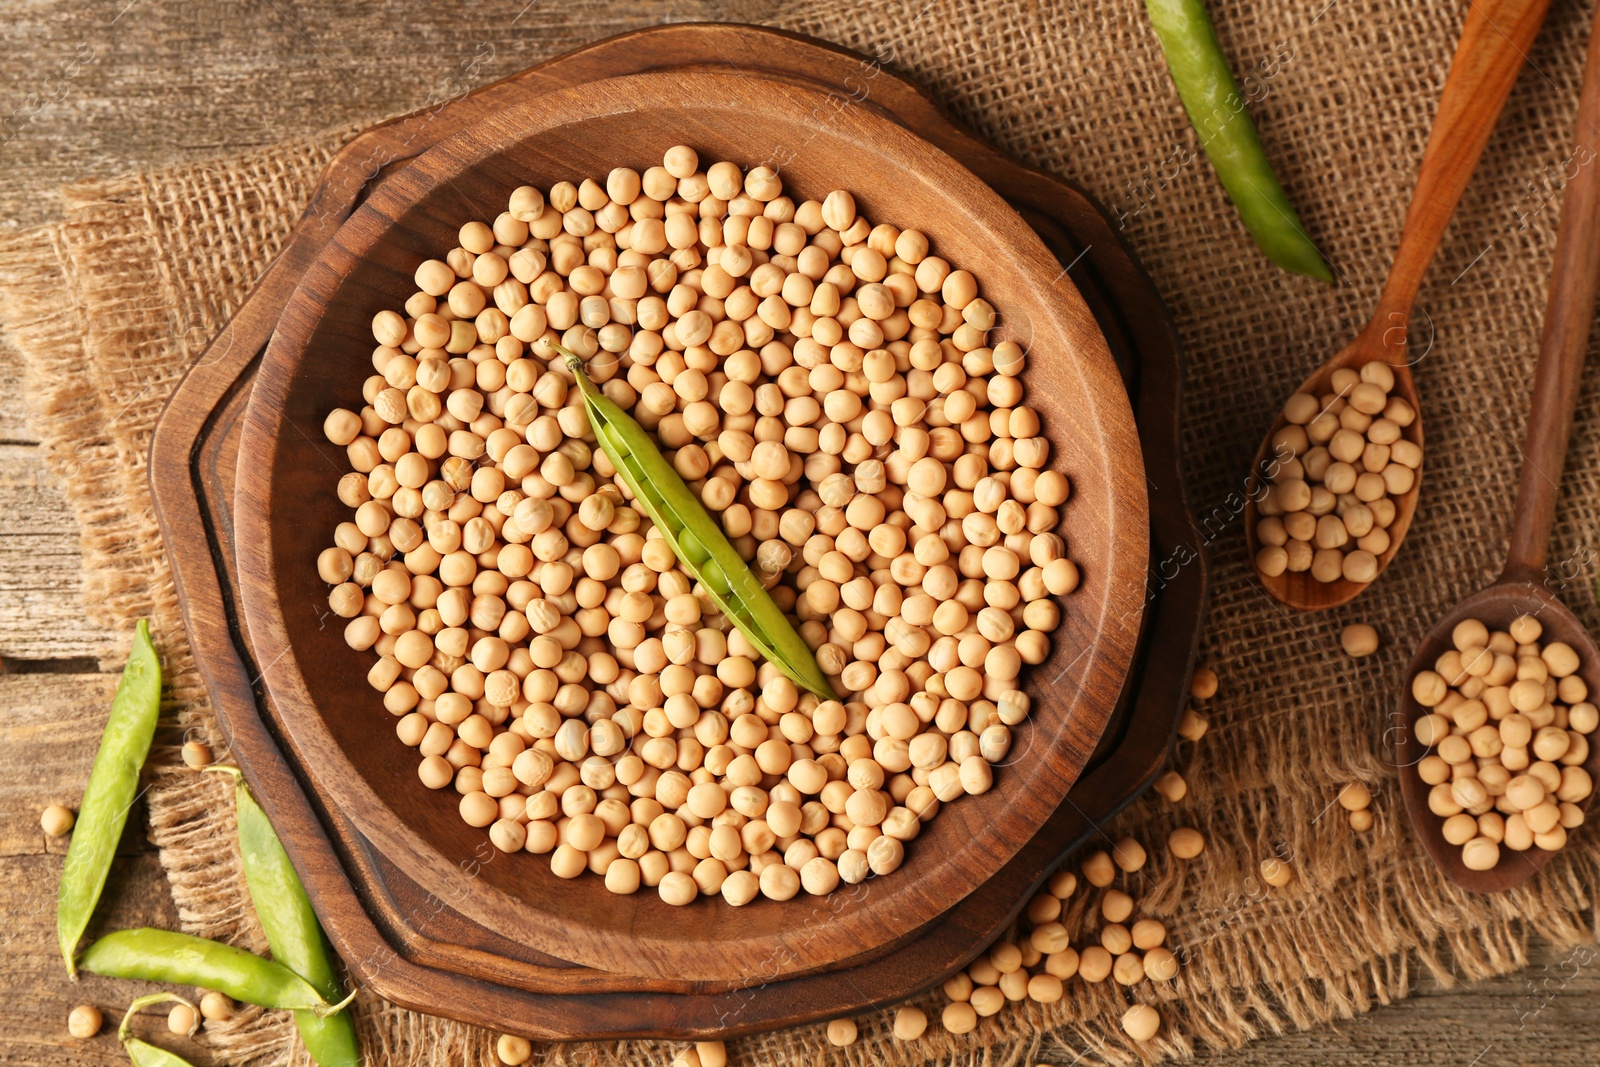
1493	45
1525	586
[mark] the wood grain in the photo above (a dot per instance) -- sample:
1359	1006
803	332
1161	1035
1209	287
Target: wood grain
88	94
42	613
51	724
15	428
1541	1017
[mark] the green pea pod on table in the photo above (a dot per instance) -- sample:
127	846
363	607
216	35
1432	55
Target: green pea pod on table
696	538
112	788
1217	111
183	959
293	932
142	1053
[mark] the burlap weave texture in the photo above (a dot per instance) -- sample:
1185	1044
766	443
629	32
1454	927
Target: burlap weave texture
109	307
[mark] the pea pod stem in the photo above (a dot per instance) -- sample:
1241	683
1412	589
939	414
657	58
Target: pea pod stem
111	790
141	1003
142	1053
183	959
696	538
293	932
1205	84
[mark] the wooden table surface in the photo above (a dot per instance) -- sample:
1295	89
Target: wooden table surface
167	81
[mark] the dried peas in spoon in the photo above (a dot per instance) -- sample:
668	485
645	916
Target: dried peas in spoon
1338	466
1509	721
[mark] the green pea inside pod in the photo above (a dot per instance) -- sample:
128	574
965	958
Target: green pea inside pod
714	578
693	550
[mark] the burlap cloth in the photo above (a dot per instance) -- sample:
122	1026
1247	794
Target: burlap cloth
109	307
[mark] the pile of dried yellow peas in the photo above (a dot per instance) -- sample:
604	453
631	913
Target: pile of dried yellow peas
1337	466
1508	721
827	388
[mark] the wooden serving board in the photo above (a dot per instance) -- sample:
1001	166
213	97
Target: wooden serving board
412	947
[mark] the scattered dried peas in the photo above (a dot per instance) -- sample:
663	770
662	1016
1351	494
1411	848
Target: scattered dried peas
1172	785
1276	872
1186	842
1063	884
216	1007
513	1051
1355	796
1128	854
1141	1022
57	820
84	1021
1036	960
910	1023
959	1017
1098	870
842	1032
1359	639
183	1020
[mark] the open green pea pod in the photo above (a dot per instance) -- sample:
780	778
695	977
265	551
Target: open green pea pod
113	786
183	959
141	1052
293	932
696	538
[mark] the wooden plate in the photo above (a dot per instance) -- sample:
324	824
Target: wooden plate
423	950
285	511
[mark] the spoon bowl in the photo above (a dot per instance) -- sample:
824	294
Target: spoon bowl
1298	589
1496	607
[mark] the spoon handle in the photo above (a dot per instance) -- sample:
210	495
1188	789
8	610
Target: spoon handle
1568	312
1494	43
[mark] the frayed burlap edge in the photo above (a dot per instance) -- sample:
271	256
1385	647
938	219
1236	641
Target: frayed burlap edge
91	448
